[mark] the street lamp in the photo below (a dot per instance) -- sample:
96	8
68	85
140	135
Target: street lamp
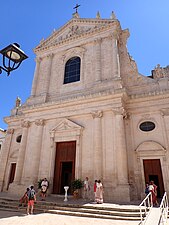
12	58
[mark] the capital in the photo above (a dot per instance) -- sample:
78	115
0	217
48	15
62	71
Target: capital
115	35
25	124
38	59
40	122
121	111
10	131
97	114
50	56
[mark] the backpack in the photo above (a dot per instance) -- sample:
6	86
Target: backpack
31	195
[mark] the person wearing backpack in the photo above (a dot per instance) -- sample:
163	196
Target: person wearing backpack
31	199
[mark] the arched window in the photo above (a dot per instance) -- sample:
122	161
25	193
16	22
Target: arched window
72	70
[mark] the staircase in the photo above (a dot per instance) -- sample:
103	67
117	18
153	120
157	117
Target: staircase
103	211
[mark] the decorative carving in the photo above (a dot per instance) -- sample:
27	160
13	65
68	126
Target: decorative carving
160	72
40	122
18	102
97	114
113	16
25	124
66	125
10	131
98	15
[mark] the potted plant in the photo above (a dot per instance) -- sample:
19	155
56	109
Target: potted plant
77	184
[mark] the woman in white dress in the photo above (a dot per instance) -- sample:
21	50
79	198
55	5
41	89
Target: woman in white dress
99	192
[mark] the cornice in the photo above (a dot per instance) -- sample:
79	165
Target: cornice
90	97
157	94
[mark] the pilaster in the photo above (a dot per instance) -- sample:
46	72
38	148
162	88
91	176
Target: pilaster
21	157
98	59
36	75
115	56
4	156
97	145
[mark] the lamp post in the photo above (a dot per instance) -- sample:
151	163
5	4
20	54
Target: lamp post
12	58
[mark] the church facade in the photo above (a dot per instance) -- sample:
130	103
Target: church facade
90	113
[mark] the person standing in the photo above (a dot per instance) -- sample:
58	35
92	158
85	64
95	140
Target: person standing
155	193
86	188
99	192
153	190
94	187
44	188
24	199
31	199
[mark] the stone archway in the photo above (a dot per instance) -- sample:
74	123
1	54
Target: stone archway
151	164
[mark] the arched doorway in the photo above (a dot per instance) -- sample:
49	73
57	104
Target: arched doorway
151	166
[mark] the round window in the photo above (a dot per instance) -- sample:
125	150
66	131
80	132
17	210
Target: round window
147	126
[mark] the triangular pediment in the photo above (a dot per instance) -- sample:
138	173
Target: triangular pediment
66	125
75	28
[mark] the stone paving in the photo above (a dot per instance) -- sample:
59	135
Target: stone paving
12	218
20	218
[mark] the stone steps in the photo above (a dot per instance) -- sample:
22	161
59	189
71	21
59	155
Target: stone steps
85	210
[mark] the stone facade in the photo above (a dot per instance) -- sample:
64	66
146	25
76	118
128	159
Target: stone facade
101	113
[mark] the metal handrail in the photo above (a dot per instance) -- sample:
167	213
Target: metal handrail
163	210
145	208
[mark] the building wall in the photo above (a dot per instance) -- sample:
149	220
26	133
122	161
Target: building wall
102	113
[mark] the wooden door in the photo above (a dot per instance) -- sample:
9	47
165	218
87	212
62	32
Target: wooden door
64	171
12	173
152	171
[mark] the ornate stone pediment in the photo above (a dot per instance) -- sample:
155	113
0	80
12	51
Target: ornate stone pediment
66	125
64	130
74	28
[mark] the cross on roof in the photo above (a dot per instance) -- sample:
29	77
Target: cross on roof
76	7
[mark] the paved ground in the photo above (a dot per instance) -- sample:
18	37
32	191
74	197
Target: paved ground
12	218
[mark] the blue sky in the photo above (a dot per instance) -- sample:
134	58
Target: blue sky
27	22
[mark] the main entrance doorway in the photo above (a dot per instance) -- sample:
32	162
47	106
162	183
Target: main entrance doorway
152	171
64	171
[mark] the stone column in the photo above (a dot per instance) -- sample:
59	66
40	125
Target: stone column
97	145
48	74
122	168
115	56
98	59
36	75
22	150
4	156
